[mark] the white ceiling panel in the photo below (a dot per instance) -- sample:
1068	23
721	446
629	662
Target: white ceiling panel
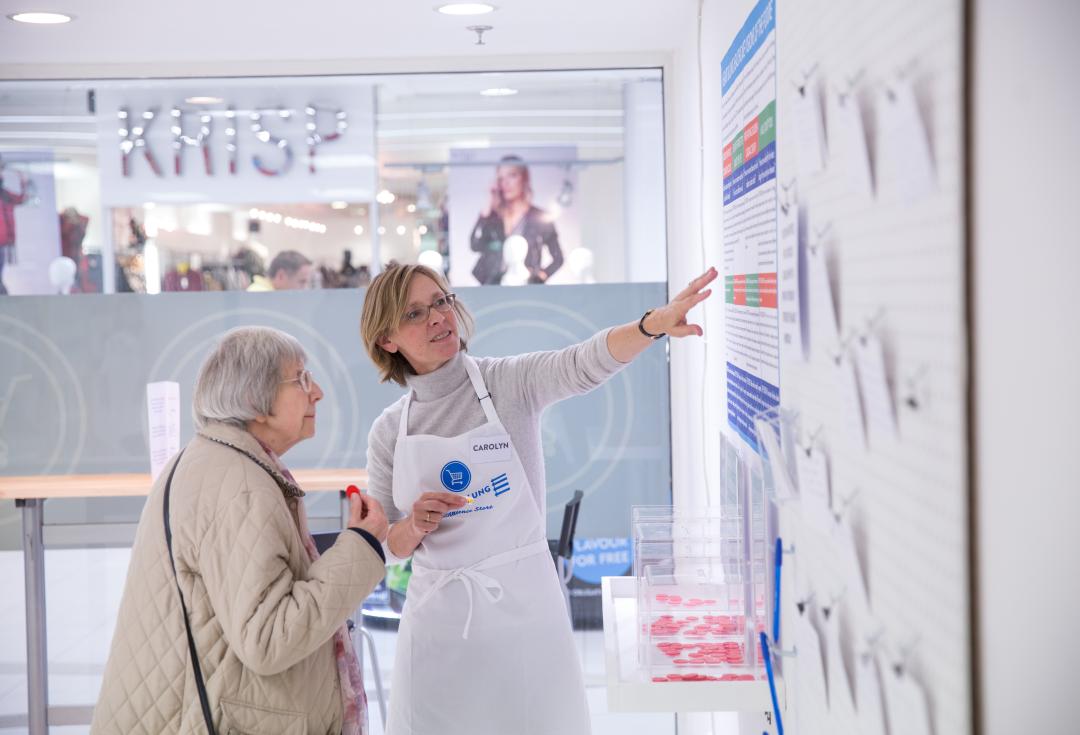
137	32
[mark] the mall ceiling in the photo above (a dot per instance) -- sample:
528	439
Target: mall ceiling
208	32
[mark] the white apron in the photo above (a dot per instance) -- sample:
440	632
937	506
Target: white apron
484	646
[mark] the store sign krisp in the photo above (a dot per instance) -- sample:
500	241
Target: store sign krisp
267	141
266	133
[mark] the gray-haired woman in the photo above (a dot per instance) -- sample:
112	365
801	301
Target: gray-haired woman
265	614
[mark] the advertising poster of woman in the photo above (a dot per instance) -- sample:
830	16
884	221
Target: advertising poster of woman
512	219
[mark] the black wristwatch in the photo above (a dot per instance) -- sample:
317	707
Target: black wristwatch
641	326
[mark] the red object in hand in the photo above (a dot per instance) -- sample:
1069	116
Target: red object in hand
354	490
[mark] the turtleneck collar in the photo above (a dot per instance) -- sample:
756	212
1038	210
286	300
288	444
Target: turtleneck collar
441	382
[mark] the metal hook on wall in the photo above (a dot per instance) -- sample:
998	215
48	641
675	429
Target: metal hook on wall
845	505
806	75
913	386
871	324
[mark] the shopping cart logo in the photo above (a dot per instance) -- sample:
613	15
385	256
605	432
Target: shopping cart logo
455	476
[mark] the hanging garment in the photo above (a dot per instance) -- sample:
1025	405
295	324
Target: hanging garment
485	645
8	202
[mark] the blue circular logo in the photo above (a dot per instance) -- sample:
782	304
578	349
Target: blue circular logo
455	476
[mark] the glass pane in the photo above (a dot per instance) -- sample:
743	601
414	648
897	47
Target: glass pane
152	186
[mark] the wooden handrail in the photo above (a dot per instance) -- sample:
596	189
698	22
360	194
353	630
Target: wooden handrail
135	484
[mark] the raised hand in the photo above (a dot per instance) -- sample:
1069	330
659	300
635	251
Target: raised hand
671	319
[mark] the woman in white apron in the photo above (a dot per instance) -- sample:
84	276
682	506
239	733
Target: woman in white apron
484	645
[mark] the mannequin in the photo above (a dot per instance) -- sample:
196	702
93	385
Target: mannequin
515	248
62	272
579	263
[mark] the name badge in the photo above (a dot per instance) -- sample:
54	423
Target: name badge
495	448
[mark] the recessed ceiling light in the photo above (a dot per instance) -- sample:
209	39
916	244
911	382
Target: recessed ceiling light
385	197
499	92
41	18
465	8
339	205
358	230
410	208
203	100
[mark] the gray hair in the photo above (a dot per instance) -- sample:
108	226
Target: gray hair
240	378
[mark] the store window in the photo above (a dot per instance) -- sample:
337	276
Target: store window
316	182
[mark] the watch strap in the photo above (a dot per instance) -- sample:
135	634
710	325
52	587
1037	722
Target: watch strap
641	326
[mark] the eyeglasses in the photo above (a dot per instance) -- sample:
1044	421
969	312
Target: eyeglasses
419	314
304	379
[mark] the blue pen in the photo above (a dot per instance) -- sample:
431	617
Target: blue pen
778	559
772	683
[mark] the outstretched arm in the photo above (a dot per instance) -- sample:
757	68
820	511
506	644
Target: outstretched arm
627	342
542	378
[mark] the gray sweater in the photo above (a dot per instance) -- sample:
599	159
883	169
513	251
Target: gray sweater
521	387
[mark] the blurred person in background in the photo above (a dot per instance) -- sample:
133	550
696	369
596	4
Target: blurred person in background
288	271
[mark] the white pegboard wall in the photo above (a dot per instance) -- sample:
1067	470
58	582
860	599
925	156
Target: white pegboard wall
896	262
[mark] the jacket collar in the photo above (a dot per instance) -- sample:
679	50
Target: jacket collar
242	441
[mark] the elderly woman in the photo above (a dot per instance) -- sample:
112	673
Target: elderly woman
231	621
484	645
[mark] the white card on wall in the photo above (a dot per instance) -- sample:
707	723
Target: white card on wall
870	713
163	413
851	571
905	141
809	129
849	403
790	229
905	702
841	702
811	693
850	145
813	471
824	334
877	400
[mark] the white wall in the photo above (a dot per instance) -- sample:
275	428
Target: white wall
695	195
694	201
1026	267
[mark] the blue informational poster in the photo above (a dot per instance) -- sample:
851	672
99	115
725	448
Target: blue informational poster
748	118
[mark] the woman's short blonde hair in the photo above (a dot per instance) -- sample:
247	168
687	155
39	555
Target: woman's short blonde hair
385	304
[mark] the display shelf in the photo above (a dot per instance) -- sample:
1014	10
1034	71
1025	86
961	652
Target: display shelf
630	686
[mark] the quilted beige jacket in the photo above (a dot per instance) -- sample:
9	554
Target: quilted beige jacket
262	614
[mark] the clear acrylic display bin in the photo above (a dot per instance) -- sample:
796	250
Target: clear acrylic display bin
723	552
693	623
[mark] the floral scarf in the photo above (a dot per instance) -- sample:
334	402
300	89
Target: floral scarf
351	676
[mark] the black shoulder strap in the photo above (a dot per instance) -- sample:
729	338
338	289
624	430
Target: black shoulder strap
204	700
